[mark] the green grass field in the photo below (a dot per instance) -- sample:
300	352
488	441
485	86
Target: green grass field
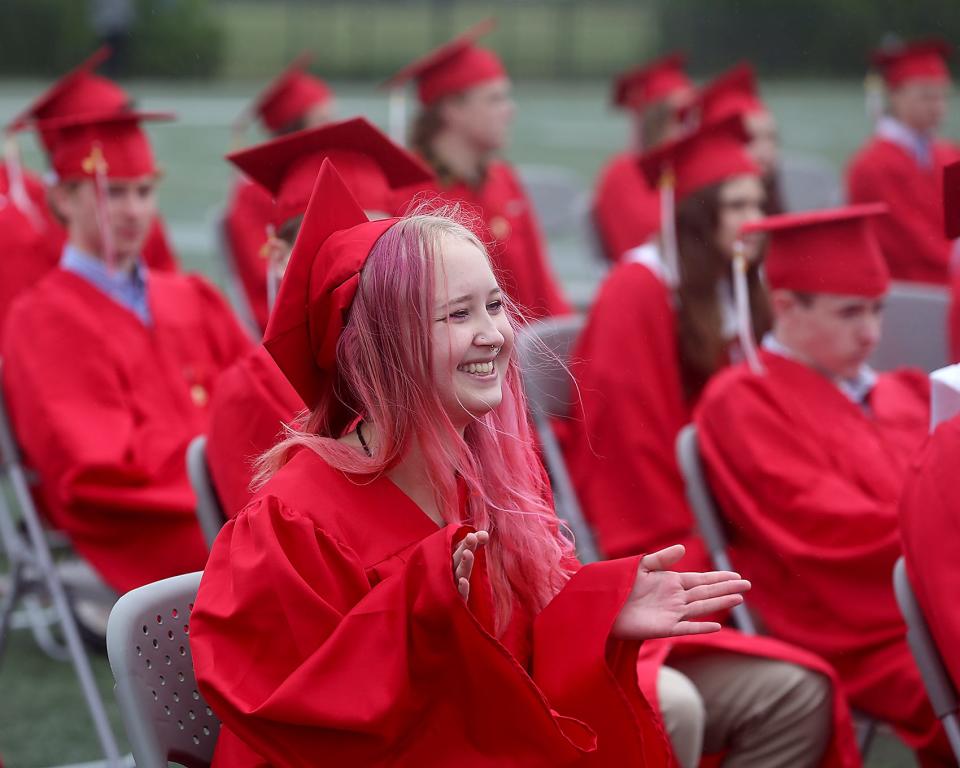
42	721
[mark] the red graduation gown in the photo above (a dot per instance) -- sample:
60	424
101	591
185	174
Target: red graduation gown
27	251
327	624
911	236
249	213
252	401
104	408
626	209
510	230
619	443
930	529
810	484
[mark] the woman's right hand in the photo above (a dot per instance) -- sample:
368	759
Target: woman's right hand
464	556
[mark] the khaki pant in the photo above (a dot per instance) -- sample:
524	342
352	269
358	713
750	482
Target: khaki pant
764	713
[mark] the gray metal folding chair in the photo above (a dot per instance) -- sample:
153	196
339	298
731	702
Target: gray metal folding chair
148	645
233	285
914	328
705	512
710	524
34	579
210	512
810	183
544	348
936	679
557	194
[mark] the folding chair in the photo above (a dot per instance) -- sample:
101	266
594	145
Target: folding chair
914	328
710	524
34	578
210	513
543	349
936	679
233	285
557	194
705	512
148	644
810	183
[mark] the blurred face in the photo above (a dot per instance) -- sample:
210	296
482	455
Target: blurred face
741	201
319	114
920	104
836	334
482	115
130	210
472	339
764	145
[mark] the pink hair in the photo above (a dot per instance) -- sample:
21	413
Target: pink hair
384	364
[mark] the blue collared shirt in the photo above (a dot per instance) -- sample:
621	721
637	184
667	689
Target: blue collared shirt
128	289
919	147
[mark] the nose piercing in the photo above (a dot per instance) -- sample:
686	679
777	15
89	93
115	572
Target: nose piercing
494	349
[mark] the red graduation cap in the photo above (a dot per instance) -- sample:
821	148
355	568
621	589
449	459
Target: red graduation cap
111	146
951	200
706	156
832	251
318	288
290	95
653	82
924	59
369	162
732	93
79	92
452	68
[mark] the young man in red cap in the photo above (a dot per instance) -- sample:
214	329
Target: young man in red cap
463	126
808	455
929	510
294	101
735	92
253	400
902	163
31	236
626	208
109	366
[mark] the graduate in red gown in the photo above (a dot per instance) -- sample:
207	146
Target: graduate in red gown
930	519
253	399
405	594
901	165
295	100
82	92
463	126
626	209
735	92
109	365
652	339
807	452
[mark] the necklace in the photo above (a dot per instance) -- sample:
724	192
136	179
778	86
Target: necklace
366	448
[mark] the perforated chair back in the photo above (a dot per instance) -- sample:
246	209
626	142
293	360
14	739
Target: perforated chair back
210	512
940	688
544	348
707	515
148	645
914	328
809	183
557	194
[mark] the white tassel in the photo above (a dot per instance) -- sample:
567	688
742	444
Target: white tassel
741	297
397	116
17	191
668	229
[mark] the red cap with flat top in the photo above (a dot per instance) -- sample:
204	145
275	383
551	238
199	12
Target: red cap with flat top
290	96
703	157
732	93
654	82
370	164
832	251
318	289
951	200
112	145
452	68
921	60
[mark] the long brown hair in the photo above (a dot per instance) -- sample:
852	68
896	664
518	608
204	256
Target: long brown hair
702	266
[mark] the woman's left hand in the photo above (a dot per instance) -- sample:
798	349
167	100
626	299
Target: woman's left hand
665	603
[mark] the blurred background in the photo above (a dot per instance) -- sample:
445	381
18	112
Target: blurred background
205	60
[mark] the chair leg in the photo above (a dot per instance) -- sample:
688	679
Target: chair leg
866	728
9	603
